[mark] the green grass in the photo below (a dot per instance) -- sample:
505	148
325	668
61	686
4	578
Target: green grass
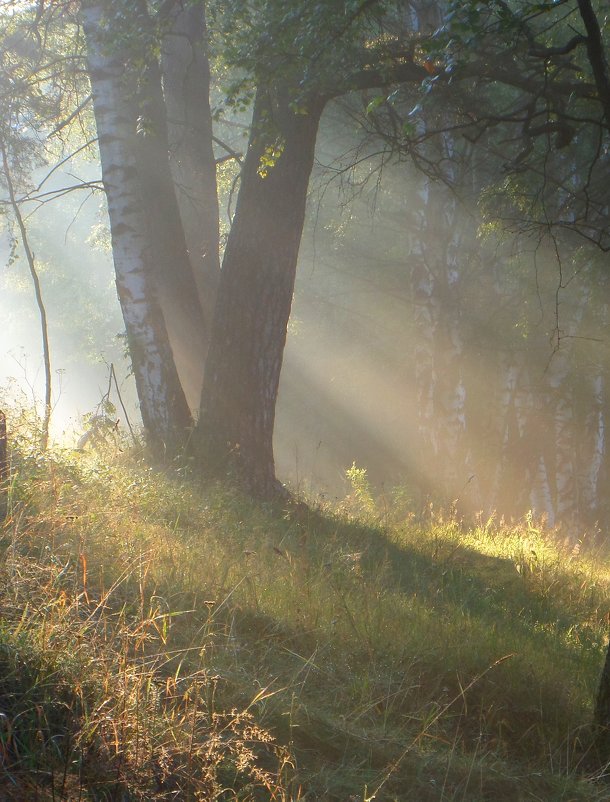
163	640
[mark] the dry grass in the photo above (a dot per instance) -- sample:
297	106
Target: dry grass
161	640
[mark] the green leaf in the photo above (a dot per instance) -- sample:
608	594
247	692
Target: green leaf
377	101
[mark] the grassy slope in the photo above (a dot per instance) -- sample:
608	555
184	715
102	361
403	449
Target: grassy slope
159	640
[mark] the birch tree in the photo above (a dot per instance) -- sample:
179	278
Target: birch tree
163	404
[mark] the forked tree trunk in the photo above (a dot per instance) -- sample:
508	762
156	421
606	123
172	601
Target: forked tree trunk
235	428
165	413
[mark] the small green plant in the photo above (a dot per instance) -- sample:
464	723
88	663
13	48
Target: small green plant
360	500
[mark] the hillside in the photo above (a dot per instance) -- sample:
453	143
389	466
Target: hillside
161	640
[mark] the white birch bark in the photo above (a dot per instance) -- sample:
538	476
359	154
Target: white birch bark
541	500
162	403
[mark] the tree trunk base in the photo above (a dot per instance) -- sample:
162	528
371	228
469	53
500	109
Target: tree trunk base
254	473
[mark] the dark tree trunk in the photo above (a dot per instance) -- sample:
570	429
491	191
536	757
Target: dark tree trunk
602	712
597	55
235	428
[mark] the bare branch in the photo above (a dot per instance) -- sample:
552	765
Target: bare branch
232	154
81	107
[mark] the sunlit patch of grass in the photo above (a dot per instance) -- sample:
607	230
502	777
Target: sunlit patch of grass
162	639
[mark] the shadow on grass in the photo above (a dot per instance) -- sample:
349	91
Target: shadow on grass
452	575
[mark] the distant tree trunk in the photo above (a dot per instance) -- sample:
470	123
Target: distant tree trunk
497	496
186	88
593	448
164	409
438	255
591	382
565	439
560	380
255	293
533	452
541	498
426	313
4	466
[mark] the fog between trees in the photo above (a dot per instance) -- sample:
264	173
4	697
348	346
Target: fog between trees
453	354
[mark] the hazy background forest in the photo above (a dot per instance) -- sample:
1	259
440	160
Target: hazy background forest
454	360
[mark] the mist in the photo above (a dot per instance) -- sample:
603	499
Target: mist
460	364
425	346
70	241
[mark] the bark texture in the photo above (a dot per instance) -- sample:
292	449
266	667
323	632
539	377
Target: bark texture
235	428
165	413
